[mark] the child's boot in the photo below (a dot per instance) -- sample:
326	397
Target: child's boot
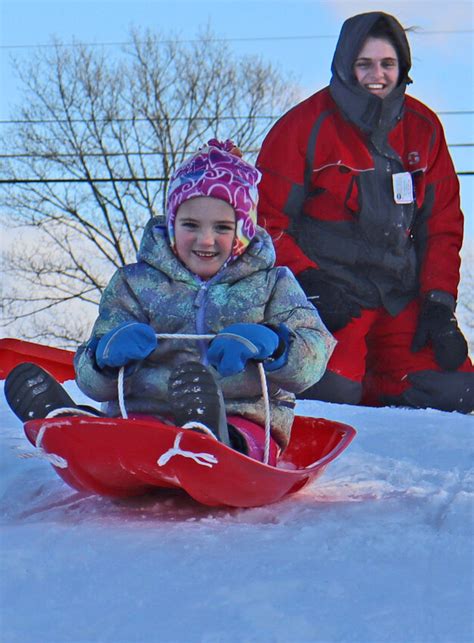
32	392
195	396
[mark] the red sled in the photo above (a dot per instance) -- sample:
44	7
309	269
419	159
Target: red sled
57	361
128	457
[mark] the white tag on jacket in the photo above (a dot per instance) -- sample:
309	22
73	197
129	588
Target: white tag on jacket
402	187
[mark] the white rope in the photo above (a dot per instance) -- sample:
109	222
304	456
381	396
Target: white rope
70	410
201	427
41	454
182	336
53	458
263	381
204	459
266	404
120	390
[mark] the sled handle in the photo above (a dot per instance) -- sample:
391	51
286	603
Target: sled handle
348	434
263	382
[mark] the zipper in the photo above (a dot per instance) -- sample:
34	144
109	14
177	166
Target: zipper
200	304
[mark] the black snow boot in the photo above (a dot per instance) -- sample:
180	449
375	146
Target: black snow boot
195	396
32	392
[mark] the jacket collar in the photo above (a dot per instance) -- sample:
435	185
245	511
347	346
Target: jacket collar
368	112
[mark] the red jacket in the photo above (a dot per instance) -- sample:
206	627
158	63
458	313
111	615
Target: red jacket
326	198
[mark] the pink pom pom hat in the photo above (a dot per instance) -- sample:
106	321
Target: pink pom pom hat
218	171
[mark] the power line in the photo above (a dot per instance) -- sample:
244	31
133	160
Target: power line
62	155
174	119
455	112
426	32
96	180
146	179
53	157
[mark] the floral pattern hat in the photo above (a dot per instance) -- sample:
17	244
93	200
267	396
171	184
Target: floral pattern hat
218	171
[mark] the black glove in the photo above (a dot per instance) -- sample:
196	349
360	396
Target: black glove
438	324
431	389
334	307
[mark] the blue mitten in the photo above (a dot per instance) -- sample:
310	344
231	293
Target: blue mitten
128	342
236	344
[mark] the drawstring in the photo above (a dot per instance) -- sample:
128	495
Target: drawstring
266	404
201	458
53	458
204	459
263	382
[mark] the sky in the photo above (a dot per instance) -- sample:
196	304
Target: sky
297	36
377	550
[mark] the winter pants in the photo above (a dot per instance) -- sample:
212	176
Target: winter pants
372	361
254	437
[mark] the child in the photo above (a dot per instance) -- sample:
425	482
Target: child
209	271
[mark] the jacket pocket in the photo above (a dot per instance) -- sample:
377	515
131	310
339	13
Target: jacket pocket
334	194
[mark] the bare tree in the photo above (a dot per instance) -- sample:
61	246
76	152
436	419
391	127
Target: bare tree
90	153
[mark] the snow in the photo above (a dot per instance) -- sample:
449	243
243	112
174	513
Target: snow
377	550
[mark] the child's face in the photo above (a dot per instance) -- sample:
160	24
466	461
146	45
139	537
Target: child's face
204	231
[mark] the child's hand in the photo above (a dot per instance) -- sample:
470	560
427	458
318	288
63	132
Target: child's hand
236	344
128	342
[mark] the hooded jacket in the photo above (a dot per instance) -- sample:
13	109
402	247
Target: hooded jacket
159	290
327	194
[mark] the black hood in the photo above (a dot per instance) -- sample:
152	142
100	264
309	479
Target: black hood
365	110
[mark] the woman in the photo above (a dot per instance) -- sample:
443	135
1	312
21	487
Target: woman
361	198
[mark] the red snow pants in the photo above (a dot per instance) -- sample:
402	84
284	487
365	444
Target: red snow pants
374	350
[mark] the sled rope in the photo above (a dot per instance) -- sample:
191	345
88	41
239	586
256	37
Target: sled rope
53	458
204	459
266	404
120	391
70	410
263	382
201	427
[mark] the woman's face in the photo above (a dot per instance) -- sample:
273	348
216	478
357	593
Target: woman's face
376	67
204	231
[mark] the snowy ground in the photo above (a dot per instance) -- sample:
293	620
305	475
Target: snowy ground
377	550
